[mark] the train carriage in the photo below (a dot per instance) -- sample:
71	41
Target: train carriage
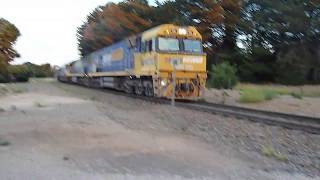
145	64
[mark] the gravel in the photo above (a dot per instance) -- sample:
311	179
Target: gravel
289	150
117	137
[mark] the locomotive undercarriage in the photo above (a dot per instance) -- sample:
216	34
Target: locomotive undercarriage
143	86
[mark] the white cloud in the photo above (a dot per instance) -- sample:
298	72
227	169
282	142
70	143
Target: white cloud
48	28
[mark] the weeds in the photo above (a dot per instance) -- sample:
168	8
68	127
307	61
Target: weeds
4	142
270	152
271	91
257	95
251	93
11	88
312	93
296	95
269	95
14	88
251	97
39	105
17	90
3	90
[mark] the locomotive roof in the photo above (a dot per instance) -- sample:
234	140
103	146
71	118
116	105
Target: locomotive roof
171	30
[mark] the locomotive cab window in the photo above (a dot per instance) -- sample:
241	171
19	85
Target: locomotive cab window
168	44
192	45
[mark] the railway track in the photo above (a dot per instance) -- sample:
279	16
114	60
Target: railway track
289	121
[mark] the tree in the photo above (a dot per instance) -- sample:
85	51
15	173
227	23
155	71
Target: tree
18	73
274	24
260	38
8	36
231	14
111	23
43	70
279	27
206	15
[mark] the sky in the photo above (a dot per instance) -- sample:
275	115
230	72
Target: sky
48	27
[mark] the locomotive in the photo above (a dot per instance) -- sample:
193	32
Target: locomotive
147	64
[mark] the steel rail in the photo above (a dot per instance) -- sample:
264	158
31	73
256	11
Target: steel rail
289	121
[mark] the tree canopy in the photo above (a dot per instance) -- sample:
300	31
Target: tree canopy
8	36
111	23
266	40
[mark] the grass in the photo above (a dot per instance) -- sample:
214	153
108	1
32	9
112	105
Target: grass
270	152
17	90
253	93
4	142
257	95
312	93
296	95
251	97
39	104
93	98
3	90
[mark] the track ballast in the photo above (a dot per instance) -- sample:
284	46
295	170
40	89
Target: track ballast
289	121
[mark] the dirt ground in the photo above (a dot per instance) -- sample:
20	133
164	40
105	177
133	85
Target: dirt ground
309	106
60	131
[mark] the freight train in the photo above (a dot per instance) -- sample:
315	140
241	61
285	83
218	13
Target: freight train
146	64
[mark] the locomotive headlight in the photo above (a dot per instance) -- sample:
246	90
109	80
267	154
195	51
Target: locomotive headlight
163	82
182	31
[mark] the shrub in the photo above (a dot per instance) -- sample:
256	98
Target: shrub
270	94
297	65
4	78
257	95
251	97
43	70
19	73
270	152
223	76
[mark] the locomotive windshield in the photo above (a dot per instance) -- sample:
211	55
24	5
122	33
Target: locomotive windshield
168	44
181	45
192	45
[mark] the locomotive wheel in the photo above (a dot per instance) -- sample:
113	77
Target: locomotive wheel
128	89
138	89
148	89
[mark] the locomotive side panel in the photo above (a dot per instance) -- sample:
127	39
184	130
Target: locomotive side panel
112	61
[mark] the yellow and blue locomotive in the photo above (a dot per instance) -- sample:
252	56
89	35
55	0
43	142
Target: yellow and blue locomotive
144	64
